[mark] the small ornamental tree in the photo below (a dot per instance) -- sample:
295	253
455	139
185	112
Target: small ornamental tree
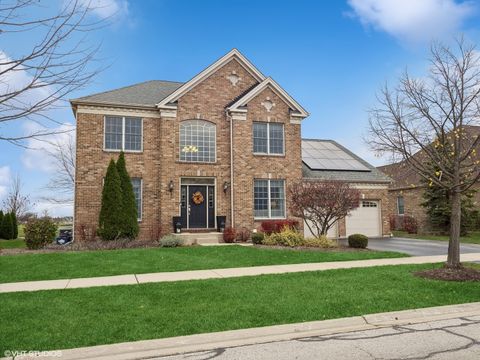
14	225
111	218
129	207
321	204
7	227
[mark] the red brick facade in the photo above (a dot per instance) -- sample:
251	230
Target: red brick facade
159	164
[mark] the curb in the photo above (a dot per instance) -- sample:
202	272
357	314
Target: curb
202	342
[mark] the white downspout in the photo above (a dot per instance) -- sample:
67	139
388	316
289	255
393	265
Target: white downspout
232	216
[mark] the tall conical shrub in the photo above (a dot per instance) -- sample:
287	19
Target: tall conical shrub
111	216
7	227
15	225
1	224
129	207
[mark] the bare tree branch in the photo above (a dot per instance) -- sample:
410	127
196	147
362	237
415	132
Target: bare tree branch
58	63
16	201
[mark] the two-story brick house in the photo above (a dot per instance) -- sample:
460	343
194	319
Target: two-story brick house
225	143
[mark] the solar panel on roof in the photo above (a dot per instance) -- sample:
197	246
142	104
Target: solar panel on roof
322	155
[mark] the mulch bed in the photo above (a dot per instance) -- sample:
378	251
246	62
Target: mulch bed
449	274
339	248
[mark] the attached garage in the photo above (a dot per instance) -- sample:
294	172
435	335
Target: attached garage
366	219
326	160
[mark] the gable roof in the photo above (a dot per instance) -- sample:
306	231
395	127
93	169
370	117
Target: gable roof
272	84
232	54
366	173
145	94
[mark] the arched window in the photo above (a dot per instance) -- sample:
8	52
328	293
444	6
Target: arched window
197	141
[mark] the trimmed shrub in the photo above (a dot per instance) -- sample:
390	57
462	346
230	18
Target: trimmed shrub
410	224
39	232
229	234
358	241
110	222
276	226
7	227
170	241
257	238
15	225
287	237
130	227
1	222
320	242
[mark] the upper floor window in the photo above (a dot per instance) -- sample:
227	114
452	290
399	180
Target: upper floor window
123	133
269	198
137	191
197	141
268	138
400	205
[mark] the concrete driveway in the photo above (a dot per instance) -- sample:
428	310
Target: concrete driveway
417	247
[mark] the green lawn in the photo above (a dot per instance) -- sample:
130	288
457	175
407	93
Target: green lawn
62	265
472	238
84	317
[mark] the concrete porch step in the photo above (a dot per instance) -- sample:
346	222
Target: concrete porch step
201	238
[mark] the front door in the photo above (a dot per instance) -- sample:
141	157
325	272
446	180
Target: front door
197	206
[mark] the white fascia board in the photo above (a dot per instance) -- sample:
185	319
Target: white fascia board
210	70
302	113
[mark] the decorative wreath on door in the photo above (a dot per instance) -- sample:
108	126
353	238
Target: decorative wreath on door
197	198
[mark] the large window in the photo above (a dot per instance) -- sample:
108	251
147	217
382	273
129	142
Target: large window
268	138
123	133
197	141
269	199
137	191
400	205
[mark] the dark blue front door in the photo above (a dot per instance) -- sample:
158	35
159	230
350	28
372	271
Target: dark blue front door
197	206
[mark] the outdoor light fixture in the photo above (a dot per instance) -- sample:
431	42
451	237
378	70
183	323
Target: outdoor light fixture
225	186
170	186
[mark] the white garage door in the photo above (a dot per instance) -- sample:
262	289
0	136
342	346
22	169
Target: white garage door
331	234
365	219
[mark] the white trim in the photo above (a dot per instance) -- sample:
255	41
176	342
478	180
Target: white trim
180	147
168	113
123	136
82	109
269	201
268	153
233	54
269	82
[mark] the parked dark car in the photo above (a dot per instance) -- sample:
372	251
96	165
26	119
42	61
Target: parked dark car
64	237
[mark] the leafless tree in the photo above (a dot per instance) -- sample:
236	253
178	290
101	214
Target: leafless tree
61	185
427	123
58	62
321	204
16	201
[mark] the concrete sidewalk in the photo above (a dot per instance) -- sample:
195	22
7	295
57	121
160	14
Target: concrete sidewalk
146	349
132	279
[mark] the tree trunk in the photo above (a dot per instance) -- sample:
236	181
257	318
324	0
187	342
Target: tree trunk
453	259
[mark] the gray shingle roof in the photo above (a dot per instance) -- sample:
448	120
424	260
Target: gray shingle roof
147	93
371	175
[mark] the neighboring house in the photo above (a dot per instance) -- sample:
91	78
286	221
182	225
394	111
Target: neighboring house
226	144
406	190
328	160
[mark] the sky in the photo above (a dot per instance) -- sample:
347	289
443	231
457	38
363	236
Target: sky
331	56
